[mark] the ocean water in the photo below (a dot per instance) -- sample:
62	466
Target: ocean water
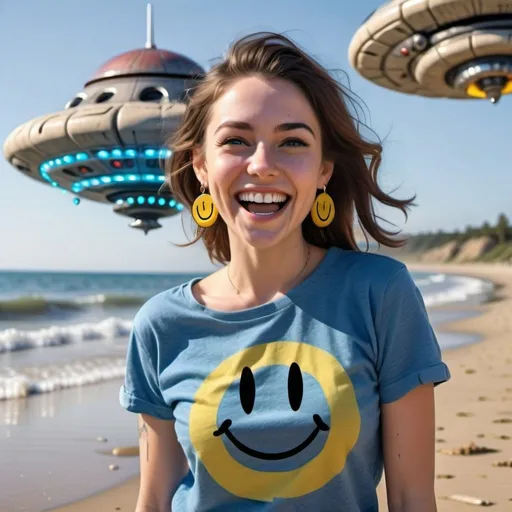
61	330
62	353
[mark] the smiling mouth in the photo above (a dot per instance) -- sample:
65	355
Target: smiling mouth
224	429
263	203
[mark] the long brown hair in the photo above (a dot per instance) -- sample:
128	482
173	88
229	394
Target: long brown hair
353	185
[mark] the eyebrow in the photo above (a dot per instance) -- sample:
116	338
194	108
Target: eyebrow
285	127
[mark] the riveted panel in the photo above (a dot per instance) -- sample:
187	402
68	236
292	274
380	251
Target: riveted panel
393	33
448	11
18	144
383	17
496	7
50	136
91	127
417	15
492	43
366	61
360	38
456	51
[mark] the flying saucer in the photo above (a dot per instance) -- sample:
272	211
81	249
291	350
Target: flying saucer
458	49
107	145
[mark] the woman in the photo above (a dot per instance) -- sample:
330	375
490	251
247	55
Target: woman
287	379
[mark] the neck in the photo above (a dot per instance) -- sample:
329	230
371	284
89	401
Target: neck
260	274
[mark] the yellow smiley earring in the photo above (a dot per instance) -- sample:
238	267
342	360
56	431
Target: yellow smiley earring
322	211
204	211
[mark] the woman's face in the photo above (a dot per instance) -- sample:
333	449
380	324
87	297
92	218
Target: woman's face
262	159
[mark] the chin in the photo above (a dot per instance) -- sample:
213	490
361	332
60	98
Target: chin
266	239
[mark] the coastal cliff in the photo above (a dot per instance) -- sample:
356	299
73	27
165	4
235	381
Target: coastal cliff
485	244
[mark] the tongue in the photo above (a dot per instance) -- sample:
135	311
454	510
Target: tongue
262	207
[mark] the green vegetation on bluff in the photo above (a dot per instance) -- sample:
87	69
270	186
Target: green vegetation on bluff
498	236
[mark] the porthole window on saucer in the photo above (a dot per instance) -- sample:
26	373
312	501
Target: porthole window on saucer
105	96
74	102
154	94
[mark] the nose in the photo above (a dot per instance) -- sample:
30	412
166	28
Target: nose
261	163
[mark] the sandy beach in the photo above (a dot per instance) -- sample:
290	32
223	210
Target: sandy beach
474	410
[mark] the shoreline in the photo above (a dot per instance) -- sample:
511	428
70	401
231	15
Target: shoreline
478	394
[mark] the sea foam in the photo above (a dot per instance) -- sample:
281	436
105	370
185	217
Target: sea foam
16	339
447	289
22	382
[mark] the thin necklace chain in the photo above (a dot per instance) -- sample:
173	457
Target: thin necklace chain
298	276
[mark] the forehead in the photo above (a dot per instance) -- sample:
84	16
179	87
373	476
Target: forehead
261	100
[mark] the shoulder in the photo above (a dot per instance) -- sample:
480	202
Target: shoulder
376	271
162	311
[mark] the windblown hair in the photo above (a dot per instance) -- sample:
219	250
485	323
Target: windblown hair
353	185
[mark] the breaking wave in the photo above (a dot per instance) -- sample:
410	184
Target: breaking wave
30	380
44	305
454	289
12	340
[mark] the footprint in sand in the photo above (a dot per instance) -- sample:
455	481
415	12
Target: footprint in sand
503	420
483	398
469	449
444	476
440	428
462	414
470	371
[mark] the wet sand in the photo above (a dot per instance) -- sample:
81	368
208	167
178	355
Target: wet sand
58	446
474	407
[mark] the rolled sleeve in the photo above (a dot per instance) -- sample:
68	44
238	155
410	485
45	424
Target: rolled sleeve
408	351
141	392
435	374
133	403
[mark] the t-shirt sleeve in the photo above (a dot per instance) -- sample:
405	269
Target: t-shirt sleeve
140	392
408	350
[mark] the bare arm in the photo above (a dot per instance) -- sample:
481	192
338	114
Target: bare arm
162	464
408	432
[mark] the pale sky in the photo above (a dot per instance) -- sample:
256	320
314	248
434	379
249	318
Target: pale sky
453	154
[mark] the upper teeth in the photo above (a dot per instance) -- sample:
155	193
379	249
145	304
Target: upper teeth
250	197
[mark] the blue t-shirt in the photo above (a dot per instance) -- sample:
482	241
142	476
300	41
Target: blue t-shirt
277	407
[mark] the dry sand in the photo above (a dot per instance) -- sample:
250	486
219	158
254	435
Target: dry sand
475	406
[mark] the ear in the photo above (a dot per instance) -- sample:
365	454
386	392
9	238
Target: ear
325	173
199	165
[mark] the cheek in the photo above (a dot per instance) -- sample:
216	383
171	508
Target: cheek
222	165
223	170
228	163
304	171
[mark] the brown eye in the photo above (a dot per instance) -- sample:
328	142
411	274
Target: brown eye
247	390
295	386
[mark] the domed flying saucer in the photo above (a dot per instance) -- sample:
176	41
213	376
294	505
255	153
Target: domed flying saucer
107	143
438	48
